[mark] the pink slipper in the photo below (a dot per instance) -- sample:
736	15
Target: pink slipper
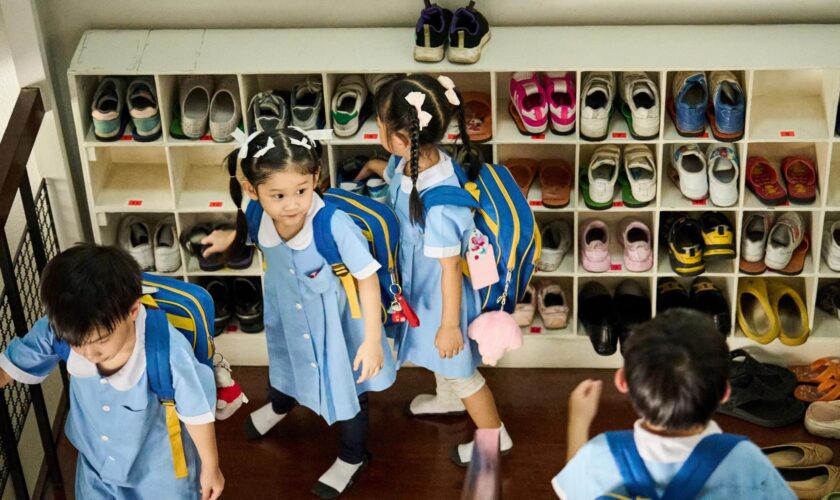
595	246
524	312
635	237
560	92
554	309
529	105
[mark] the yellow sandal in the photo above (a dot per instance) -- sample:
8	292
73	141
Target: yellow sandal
791	313
756	316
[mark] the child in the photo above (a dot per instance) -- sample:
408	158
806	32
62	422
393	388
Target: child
319	356
676	370
413	114
92	297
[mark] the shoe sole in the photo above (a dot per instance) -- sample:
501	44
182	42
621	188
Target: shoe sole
684	133
429	54
521	126
467	56
685	270
456	459
407	411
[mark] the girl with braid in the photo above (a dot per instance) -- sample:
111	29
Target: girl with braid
413	114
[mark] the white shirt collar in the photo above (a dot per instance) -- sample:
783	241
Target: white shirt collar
129	375
661	449
268	236
429	177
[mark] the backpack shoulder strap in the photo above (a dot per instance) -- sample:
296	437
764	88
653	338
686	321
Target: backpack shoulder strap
325	243
448	195
62	349
637	478
253	216
700	465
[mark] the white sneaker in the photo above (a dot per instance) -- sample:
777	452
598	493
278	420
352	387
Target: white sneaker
556	240
722	160
603	172
462	454
225	112
136	239
784	237
347	102
831	246
167	254
640	168
640	95
443	403
688	163
754	239
597	95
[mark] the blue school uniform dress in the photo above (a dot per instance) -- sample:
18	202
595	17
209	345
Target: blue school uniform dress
312	338
744	473
446	234
116	422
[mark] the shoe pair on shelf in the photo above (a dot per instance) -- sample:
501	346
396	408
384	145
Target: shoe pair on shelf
555	179
705	297
114	106
691	104
207	102
272	110
540	100
607	318
153	249
237	298
466	32
798	173
191	241
351	105
633	169
374	187
639	104
770	309
713	174
550	300
635	238
692	243
776	243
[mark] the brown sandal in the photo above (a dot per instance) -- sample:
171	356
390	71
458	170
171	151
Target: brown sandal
556	180
826	391
478	116
523	170
819	371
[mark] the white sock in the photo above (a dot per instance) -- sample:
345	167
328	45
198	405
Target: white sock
338	476
265	418
442	402
465	450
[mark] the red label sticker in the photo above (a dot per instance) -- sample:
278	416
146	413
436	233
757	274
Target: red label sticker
536	329
371	137
787	133
215	204
615	267
618	203
619	135
452	137
785	204
535	203
705	135
698	203
231	328
135	203
126	137
538	137
207	137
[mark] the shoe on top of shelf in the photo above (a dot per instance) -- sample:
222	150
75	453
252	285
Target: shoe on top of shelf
469	32
528	103
431	33
135	237
552	305
640	171
225	113
722	161
595	246
167	254
556	241
268	111
685	247
562	100
754	242
248	304
598	94
687	169
194	94
718	237
687	106
707	298
727	106
143	110
601	175
763	181
347	104
106	110
640	104
784	237
307	101
831	246
375	81
637	242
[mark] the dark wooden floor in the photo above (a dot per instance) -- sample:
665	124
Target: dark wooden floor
411	454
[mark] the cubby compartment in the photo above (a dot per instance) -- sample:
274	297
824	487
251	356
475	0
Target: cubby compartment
832	198
231	289
672	197
618	130
611	283
201	179
114	231
187	220
353	155
623	199
129	179
672	134
565	152
714	267
826	315
812	232
614	222
538	325
169	95
548	225
756	317
829	245
776	153
793	105
283	86
507	130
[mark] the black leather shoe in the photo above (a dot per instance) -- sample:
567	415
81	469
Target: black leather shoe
598	317
707	298
632	306
248	302
219	289
670	294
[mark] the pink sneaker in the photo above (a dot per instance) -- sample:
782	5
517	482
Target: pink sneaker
528	103
595	246
560	91
636	240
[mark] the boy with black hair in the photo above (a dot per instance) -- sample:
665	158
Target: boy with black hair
92	298
676	371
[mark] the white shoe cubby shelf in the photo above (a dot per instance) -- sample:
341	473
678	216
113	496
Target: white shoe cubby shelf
790	76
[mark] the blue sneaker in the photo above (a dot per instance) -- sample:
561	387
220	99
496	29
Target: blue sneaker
377	189
353	186
108	109
727	107
689	96
143	110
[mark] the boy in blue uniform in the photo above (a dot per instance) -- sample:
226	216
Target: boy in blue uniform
676	371
92	297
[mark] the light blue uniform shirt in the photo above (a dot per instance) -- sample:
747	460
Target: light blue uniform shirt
446	234
312	339
744	473
117	423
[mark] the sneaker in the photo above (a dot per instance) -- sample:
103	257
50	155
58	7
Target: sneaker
688	171
377	189
689	96
754	241
718	237
468	34
268	112
225	112
143	110
194	95
640	104
722	161
136	239
524	311
595	246
354	187
601	177
347	103
556	241
431	33
167	254
685	247
219	290
640	170
707	298
727	106
375	81
828	299
553	307
248	304
528	103
598	93
831	246
107	109
562	101
786	234
307	101
637	242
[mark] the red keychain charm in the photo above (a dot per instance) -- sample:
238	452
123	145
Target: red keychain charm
406	311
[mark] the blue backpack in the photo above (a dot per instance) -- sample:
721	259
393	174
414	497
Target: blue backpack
688	481
503	214
189	308
380	227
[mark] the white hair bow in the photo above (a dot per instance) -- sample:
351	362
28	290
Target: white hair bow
417	99
307	141
450	94
242	140
269	144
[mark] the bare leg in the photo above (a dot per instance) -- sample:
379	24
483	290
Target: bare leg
482	409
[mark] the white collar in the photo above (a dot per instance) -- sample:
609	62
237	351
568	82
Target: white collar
127	376
661	449
268	236
435	174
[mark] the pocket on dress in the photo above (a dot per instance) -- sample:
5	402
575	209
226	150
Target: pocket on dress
323	281
137	401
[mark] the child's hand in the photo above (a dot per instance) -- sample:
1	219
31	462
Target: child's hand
371	358
449	341
218	241
212	483
374	166
5	379
584	401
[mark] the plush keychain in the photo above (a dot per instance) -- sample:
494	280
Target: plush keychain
229	395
